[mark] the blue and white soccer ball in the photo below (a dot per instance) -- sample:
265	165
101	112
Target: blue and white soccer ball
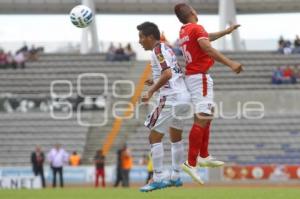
81	16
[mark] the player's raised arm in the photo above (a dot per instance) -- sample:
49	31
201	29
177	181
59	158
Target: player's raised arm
216	35
219	57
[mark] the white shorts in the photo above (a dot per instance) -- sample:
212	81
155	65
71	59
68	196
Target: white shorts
169	113
200	87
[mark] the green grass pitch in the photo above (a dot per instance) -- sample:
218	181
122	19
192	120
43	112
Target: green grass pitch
172	193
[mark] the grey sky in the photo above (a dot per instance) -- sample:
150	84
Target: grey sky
122	28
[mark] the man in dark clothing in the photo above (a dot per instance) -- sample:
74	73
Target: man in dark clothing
37	160
119	177
99	161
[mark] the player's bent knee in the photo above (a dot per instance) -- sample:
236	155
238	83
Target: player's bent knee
202	119
155	137
175	135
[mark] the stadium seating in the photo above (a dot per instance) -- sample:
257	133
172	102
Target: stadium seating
258	70
272	139
37	77
263	140
20	132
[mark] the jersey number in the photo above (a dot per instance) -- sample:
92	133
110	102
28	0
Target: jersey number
187	55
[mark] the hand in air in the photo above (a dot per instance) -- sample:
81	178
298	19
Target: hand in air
232	28
237	67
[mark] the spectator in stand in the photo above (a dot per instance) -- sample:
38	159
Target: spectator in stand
281	44
126	166
297	45
287	47
99	161
297	71
20	59
297	41
120	49
23	49
129	52
10	60
120	54
75	159
3	63
37	161
289	76
111	52
57	157
33	53
30	54
284	46
277	77
281	41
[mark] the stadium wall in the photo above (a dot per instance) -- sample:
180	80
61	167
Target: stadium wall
22	177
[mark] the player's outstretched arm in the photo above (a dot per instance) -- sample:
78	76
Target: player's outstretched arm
165	76
216	35
219	57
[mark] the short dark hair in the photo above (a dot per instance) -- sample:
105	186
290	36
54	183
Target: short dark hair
149	28
182	11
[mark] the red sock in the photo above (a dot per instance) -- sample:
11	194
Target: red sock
195	140
205	141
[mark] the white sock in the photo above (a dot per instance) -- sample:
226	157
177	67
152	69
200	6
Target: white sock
175	175
157	154
177	151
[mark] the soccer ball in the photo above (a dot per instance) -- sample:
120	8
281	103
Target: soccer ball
81	16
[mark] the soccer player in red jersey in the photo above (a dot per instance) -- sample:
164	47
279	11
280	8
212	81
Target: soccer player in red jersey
200	57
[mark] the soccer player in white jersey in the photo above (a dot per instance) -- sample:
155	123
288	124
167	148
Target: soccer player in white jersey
173	101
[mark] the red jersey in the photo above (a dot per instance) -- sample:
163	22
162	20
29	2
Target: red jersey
197	61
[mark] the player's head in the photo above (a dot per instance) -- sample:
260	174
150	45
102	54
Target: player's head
38	148
57	146
148	35
185	13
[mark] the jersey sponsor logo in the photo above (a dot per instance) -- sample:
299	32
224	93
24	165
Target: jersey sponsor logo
162	61
160	58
